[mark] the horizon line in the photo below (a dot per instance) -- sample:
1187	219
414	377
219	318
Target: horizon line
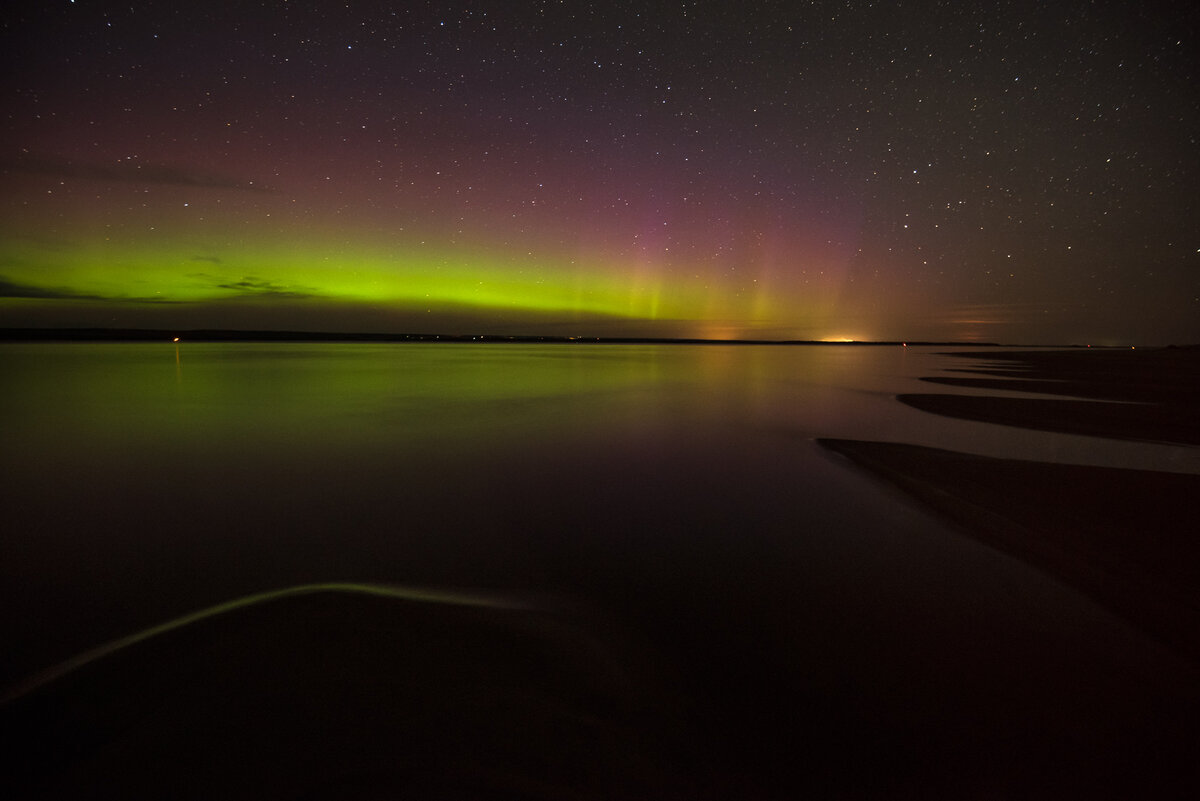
73	334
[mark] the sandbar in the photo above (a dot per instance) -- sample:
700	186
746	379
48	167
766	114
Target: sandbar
1125	537
1148	394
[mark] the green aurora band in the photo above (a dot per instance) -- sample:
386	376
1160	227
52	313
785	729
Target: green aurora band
418	278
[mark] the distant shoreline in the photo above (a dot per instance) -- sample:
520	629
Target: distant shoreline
221	335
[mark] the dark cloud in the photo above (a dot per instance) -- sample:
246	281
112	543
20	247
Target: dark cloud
14	289
253	286
125	172
259	287
247	287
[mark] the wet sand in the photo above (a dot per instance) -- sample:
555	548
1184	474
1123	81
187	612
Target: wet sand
1125	537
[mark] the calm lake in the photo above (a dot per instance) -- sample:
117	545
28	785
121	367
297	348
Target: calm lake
818	632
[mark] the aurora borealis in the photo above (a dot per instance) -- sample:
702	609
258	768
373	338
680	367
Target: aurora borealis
1003	171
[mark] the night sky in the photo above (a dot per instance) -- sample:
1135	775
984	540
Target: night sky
1015	172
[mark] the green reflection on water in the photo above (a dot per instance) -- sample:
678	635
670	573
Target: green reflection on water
289	403
199	396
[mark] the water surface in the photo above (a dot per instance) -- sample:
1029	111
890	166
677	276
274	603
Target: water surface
814	621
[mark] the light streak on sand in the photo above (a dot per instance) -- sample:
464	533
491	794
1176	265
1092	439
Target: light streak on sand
415	594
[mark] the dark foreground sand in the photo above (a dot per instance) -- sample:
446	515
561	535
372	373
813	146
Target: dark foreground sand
1125	537
346	692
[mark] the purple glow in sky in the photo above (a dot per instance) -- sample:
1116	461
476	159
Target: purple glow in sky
1012	172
